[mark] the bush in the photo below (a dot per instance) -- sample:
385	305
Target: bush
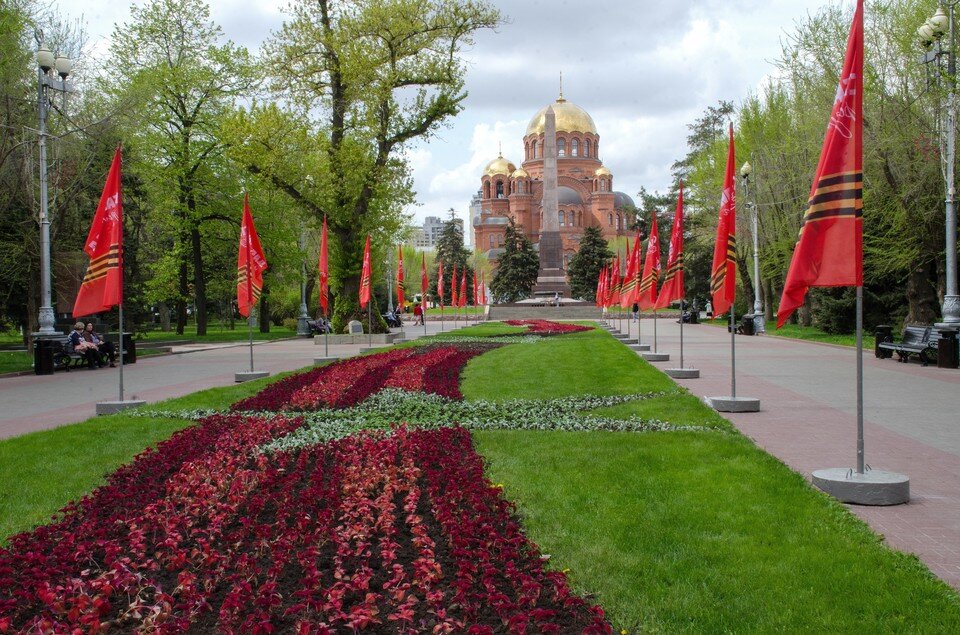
835	310
290	323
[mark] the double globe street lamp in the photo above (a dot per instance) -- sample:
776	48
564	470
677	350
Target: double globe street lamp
759	320
937	51
52	76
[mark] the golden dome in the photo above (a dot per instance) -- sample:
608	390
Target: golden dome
499	166
570	118
602	171
520	173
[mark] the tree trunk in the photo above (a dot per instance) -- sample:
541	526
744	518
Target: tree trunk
806	315
767	288
922	304
744	270
182	300
199	283
164	310
264	314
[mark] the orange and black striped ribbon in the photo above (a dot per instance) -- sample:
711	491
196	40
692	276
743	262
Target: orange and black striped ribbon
101	265
836	196
673	269
719	277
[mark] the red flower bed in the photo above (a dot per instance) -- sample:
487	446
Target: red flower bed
546	327
396	533
433	369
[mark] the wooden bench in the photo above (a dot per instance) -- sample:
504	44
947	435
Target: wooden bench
921	341
65	358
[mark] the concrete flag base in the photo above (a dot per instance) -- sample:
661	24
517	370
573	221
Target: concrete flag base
656	357
113	407
683	373
734	404
248	375
873	487
317	361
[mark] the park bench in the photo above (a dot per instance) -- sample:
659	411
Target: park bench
921	341
65	358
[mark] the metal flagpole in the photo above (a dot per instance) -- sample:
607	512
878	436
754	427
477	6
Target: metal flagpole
655	329
250	319
326	332
369	322
860	458
733	356
682	302
121	348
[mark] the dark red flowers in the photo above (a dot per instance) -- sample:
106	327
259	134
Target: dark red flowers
546	327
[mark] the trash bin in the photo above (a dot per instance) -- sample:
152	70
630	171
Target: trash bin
43	351
947	349
129	349
746	324
883	333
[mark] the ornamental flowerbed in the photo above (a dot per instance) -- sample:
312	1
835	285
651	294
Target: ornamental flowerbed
547	328
396	533
429	369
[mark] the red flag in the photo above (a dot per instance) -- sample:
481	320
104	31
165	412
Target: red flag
463	288
251	263
723	282
400	285
424	282
476	291
829	252
598	297
454	301
647	294
616	282
323	267
440	284
630	291
102	285
672	288
365	276
483	289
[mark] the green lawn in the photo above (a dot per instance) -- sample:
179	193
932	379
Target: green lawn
215	333
15	361
449	311
797	332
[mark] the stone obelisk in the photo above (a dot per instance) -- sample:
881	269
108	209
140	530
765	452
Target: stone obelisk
551	278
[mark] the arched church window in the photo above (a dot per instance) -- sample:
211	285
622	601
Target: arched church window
610	220
586	147
575	148
561	147
619	222
499	189
492	241
562	217
571	218
539	145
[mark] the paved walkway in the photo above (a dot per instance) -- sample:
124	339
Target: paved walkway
29	402
807	419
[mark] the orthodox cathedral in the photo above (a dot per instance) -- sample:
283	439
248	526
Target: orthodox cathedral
585	194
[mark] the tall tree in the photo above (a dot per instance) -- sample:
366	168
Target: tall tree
452	253
517	267
584	268
371	76
171	66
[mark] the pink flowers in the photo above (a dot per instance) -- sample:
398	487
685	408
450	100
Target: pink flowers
546	327
398	532
434	369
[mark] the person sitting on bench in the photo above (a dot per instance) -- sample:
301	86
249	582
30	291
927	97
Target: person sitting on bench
103	346
82	347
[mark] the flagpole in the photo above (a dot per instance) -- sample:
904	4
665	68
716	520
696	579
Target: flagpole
326	332
682	302
655	329
733	355
250	319
121	346
860	457
369	322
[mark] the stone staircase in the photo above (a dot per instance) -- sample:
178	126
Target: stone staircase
521	312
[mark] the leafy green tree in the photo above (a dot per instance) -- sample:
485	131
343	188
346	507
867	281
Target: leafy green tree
370	77
584	268
517	267
452	253
177	78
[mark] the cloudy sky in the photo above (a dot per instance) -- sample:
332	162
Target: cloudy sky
643	69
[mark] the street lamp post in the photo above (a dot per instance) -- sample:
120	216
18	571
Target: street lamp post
389	286
932	34
759	320
46	62
303	326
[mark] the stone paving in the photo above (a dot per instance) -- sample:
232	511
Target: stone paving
807	419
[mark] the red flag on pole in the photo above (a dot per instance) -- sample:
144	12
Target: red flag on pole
723	282
672	288
829	252
324	271
598	297
647	294
365	276
483	289
440	284
463	288
476	291
424	282
400	283
454	301
616	280
251	263
102	285
630	291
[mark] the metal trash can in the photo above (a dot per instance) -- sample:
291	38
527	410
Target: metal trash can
43	350
129	349
746	324
883	333
947	349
